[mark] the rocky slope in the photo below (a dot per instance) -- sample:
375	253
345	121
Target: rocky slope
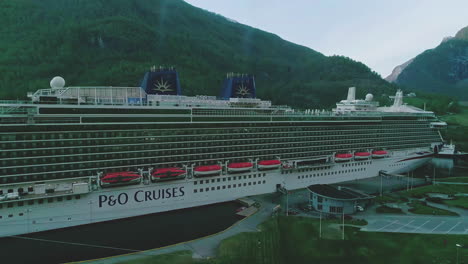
443	69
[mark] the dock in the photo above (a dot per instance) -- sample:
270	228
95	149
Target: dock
248	211
247	202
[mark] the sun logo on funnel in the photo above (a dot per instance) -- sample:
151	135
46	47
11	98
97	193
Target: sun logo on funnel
162	86
242	90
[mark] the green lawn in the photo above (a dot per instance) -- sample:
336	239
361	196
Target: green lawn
383	209
421	192
459	118
295	240
419	207
461	202
390	199
457	128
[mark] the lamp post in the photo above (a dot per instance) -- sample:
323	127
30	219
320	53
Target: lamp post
343	221
381	184
458	246
320	228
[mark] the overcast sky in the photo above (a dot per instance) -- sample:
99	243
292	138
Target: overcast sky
380	33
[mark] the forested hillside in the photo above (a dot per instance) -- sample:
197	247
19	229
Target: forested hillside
97	42
443	69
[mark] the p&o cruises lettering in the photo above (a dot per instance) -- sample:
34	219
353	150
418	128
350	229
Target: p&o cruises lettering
141	196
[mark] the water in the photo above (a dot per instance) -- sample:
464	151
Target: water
118	237
443	168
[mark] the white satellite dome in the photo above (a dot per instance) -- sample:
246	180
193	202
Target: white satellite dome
369	97
57	82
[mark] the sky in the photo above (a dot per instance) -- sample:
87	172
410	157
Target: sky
380	33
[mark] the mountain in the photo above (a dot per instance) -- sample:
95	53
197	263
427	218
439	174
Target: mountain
443	69
99	42
397	71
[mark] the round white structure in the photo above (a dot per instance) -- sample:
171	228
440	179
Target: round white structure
369	97
57	82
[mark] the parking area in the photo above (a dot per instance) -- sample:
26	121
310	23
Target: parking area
418	224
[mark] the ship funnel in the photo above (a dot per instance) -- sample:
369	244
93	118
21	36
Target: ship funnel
351	94
238	86
398	99
162	81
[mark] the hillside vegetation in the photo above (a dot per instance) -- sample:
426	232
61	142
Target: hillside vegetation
114	42
443	69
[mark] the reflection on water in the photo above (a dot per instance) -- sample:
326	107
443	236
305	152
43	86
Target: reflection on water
443	167
443	163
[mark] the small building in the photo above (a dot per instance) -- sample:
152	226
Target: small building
337	200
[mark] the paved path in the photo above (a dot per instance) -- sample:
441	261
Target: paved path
204	247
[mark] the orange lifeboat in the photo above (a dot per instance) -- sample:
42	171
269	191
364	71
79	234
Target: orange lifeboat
201	171
379	154
268	164
167	174
120	178
361	155
343	157
239	167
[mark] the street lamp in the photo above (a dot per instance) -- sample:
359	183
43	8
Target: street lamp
458	246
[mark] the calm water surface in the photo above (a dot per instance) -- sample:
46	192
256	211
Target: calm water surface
118	237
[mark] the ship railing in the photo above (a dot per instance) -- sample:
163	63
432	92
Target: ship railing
11	102
12	110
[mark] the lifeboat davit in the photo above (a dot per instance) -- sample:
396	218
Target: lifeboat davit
167	174
120	178
207	170
361	155
268	164
239	167
343	157
379	154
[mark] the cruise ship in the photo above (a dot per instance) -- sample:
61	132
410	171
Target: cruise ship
80	155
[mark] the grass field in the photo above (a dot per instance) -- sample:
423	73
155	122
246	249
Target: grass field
295	240
459	118
383	209
461	202
419	207
457	128
421	192
390	199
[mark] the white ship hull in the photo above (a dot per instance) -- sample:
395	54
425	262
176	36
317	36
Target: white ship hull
134	200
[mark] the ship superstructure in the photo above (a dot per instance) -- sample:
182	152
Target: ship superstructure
80	155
